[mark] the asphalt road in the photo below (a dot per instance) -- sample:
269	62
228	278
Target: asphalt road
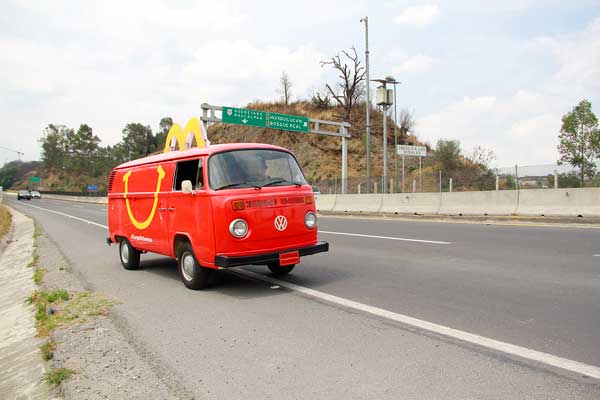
535	287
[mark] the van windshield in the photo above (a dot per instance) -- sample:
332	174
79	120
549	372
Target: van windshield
253	168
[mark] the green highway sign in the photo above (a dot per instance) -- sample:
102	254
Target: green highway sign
35	179
243	116
288	122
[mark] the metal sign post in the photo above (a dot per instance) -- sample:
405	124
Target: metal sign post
419	151
294	123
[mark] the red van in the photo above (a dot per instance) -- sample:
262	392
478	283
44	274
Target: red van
212	208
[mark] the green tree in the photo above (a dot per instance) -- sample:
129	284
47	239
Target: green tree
579	140
138	141
55	146
164	126
447	154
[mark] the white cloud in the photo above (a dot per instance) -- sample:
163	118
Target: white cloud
416	63
419	16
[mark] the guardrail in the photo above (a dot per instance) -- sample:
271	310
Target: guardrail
577	202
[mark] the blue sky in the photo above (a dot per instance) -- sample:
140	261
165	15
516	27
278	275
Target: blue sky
496	74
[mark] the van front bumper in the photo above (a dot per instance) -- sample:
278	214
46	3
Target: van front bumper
268	258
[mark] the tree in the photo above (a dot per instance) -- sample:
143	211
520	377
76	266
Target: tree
285	88
406	124
448	154
138	141
579	140
164	127
55	145
351	78
481	156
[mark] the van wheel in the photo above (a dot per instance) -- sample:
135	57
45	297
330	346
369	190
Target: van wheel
130	257
193	275
276	269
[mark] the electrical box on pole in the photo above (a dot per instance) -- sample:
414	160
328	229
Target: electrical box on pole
384	96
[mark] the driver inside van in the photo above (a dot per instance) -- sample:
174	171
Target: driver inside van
257	170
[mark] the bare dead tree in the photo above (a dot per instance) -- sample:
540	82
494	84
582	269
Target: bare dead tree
350	77
285	88
406	124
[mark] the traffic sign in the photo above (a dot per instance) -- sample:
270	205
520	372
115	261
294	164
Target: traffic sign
92	188
244	116
417	151
35	179
288	122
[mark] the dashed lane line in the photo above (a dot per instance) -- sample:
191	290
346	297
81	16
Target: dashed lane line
482	341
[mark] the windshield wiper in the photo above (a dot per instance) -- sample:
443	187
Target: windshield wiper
238	184
281	180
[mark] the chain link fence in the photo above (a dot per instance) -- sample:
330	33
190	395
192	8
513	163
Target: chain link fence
430	178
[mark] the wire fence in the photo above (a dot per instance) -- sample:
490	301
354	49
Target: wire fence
430	178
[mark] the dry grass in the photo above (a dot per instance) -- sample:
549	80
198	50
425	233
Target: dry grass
5	221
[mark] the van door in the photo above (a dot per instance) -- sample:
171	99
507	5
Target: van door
190	214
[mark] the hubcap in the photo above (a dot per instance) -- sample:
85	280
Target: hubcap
187	266
124	252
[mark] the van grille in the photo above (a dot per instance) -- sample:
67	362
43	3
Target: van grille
111	178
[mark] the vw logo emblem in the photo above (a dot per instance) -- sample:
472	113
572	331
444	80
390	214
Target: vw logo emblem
280	223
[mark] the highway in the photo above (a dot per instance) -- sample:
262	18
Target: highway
537	288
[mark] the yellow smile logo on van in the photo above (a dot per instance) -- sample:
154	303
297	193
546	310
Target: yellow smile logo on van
144	224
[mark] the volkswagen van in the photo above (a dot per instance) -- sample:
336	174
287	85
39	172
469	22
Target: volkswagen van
215	207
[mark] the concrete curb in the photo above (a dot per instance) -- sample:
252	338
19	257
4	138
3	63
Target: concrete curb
21	367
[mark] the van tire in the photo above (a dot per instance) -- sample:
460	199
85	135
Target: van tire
129	256
276	269
193	275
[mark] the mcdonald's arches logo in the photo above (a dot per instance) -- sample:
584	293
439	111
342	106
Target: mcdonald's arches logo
182	139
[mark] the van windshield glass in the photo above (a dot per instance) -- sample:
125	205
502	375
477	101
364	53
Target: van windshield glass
254	168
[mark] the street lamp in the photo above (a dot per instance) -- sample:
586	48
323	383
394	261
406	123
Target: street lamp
385	100
368	122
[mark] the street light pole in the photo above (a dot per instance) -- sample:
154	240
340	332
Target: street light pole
393	81
368	122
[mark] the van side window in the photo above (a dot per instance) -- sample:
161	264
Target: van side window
186	171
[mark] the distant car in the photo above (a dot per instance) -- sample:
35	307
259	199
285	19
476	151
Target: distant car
36	195
23	194
316	190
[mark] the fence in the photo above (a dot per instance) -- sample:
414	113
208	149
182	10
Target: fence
429	178
84	194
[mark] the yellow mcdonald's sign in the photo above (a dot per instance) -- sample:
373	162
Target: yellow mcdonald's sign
183	138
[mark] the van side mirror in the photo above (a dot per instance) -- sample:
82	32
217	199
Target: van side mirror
186	186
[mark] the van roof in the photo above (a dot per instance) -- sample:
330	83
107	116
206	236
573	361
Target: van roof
197	151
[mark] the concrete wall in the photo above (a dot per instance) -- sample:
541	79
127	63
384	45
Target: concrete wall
583	202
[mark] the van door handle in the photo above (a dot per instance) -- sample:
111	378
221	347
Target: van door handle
162	209
171	209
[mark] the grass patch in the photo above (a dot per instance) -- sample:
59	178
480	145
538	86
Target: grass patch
58	375
47	350
34	260
38	275
58	307
36	231
5	221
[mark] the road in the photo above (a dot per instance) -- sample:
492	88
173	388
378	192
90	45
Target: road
534	287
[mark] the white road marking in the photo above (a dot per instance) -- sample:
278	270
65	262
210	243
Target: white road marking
385	237
503	347
67	215
596	255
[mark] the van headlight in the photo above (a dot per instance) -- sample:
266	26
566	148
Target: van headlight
310	220
238	228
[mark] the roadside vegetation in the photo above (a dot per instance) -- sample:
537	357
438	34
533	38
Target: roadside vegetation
57	375
58	308
5	221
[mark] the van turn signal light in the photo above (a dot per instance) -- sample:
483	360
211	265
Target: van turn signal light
237	205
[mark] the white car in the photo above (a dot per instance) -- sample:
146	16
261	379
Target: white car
36	195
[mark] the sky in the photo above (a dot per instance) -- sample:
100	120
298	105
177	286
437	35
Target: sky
494	74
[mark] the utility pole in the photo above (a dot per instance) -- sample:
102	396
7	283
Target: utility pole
368	122
393	81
